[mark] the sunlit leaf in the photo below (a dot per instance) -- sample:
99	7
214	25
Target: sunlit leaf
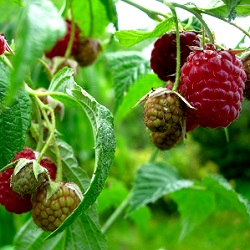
131	37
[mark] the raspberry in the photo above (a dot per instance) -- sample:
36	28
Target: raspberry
12	201
167	140
61	46
163	56
2	44
50	214
162	112
87	51
212	81
26	153
24	181
50	166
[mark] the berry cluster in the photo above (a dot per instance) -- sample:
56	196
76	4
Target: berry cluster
85	50
25	188
212	82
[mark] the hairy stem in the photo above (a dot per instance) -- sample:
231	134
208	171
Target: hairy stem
155	15
178	46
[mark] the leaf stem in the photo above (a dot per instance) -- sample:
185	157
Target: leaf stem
199	17
116	214
155	15
178	46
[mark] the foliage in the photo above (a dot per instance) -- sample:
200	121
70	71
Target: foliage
100	143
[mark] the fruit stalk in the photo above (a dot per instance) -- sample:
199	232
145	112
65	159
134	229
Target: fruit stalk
178	46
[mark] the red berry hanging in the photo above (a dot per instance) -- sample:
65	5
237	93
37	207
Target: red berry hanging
61	46
163	56
213	81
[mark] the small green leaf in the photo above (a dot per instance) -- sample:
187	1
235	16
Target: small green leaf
15	119
34	37
130	37
154	180
110	7
127	68
94	21
194	206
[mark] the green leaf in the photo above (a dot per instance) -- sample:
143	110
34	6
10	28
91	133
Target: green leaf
136	92
127	68
110	7
130	37
15	119
231	4
242	10
102	123
226	197
94	20
11	9
35	34
154	180
194	206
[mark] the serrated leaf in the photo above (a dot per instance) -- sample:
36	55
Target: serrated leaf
127	68
34	37
194	206
102	123
131	37
154	180
136	91
15	119
226	197
94	21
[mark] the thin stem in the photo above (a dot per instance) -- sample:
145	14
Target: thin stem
46	67
151	13
58	161
178	46
154	155
224	20
72	33
39	120
116	214
198	15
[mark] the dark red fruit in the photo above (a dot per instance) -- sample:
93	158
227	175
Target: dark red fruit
213	81
163	56
2	44
50	166
87	51
26	153
61	46
12	201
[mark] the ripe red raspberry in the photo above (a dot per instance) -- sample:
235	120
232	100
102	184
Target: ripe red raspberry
50	214
12	201
47	163
87	51
213	81
2	44
26	153
163	56
61	46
